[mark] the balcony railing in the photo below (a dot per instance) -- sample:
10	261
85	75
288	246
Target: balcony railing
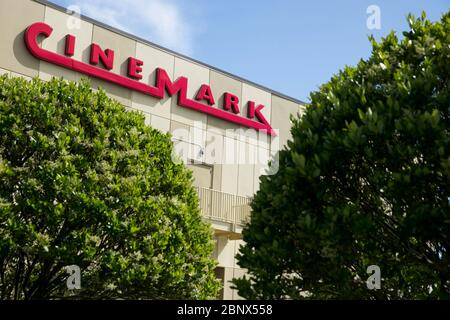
222	206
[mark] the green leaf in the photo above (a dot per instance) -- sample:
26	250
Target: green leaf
78	188
376	191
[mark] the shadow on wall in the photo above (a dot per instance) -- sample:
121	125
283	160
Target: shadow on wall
21	53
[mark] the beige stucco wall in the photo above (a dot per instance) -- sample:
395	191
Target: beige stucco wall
237	156
225	253
15	16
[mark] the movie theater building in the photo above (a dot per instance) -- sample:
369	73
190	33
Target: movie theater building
224	127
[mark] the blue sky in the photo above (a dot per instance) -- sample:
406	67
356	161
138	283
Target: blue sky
286	45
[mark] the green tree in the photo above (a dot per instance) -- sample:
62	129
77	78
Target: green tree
84	182
364	181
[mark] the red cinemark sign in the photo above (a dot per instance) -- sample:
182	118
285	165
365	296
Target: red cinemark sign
230	109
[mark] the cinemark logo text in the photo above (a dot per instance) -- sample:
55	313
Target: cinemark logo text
204	100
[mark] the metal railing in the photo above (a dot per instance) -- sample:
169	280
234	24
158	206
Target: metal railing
222	206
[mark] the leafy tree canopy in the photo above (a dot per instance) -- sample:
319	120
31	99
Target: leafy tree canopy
364	181
84	182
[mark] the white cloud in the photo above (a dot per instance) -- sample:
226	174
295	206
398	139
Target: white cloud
159	21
